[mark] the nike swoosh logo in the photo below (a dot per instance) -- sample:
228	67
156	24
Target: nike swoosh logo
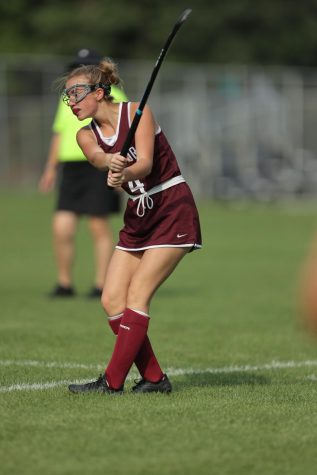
181	235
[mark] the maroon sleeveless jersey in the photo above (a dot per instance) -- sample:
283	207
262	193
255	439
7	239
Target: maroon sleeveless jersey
161	211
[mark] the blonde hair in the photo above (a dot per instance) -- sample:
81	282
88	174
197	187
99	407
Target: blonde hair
106	72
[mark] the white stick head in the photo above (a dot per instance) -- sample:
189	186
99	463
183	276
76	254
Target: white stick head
184	15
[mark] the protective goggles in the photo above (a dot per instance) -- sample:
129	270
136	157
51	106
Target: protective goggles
78	92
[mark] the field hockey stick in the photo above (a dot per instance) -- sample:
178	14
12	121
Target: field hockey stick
139	111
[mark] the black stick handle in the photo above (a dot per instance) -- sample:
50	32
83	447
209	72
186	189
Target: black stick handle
149	86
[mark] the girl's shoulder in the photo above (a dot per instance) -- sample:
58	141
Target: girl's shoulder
83	130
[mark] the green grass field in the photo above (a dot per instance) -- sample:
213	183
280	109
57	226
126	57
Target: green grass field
224	327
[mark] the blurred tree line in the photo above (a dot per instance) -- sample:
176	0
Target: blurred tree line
218	31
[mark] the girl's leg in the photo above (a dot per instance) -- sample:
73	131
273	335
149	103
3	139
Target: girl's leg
155	267
133	277
119	273
152	270
145	360
127	272
122	267
120	270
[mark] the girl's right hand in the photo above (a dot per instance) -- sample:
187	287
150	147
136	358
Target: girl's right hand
114	179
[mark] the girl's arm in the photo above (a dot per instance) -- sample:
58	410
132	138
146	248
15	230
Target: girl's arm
144	144
96	156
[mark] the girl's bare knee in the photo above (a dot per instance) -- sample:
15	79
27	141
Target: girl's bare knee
138	299
112	304
106	302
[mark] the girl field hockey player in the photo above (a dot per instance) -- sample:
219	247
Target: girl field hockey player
161	222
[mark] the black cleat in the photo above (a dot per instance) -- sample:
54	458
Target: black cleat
162	386
99	386
61	291
94	293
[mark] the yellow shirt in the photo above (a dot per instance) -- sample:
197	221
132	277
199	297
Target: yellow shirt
67	125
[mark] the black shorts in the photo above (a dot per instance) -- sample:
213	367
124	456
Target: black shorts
83	190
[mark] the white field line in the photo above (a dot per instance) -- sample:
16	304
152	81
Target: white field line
37	386
50	364
274	365
312	377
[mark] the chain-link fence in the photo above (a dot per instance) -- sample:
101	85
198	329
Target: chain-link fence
238	132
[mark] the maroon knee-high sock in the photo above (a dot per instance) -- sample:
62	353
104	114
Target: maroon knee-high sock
147	363
145	360
132	331
114	323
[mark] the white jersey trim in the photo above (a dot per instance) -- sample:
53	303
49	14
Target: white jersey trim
135	249
110	141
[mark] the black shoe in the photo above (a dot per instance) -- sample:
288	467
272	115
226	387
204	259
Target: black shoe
61	291
162	386
94	293
100	386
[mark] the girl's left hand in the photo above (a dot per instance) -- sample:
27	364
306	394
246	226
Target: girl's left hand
115	179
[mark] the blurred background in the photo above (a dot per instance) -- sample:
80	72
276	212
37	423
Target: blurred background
236	96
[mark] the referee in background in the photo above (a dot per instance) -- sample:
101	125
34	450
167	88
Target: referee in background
82	191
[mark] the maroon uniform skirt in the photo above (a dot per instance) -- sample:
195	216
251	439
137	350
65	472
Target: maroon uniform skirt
173	221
